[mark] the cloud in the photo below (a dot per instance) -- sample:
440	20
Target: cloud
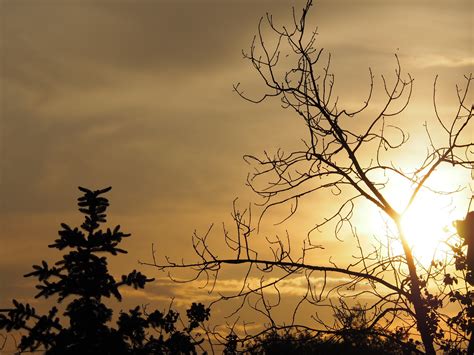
434	61
163	290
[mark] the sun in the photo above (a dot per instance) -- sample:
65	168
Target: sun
427	224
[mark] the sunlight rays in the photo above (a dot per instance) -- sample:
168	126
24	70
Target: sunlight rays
428	222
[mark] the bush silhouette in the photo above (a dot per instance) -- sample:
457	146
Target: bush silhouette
82	275
353	336
305	343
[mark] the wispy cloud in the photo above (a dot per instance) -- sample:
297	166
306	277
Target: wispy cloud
163	290
443	61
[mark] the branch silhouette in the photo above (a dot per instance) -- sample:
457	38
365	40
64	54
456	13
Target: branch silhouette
353	163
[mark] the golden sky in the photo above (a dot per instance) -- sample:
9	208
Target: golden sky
138	95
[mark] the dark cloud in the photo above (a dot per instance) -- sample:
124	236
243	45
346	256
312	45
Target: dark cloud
138	36
68	116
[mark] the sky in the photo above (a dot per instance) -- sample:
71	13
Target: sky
138	95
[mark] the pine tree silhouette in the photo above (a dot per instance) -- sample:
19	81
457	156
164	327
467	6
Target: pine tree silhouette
83	275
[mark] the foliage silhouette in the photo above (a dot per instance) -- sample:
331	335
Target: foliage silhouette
304	343
83	276
465	229
353	337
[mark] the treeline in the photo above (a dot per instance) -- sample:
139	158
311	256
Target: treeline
81	277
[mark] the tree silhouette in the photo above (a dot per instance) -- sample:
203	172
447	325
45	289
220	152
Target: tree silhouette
82	275
465	230
350	161
354	337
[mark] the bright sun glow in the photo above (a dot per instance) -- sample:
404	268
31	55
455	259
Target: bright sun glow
428	223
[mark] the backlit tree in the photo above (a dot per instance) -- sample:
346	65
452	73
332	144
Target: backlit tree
431	305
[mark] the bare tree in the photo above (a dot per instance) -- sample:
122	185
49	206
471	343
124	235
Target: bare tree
334	159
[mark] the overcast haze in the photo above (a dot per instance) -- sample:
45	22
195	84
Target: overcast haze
138	95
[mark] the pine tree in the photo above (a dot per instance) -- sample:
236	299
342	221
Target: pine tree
82	276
